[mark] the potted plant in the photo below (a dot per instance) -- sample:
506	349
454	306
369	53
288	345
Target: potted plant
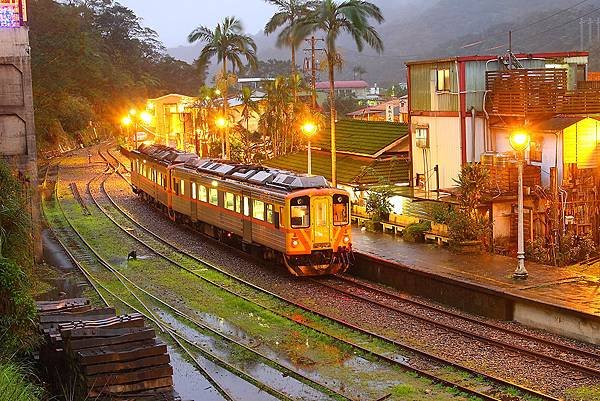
379	206
467	226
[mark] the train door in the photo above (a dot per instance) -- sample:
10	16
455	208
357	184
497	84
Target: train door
194	202
321	228
247	220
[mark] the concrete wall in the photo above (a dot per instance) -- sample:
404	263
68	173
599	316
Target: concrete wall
17	129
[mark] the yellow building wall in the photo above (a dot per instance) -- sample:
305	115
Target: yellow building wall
581	144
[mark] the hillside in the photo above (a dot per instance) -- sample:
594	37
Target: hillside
423	29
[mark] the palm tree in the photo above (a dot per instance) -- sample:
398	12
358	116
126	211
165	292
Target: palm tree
334	18
249	107
289	13
358	71
228	42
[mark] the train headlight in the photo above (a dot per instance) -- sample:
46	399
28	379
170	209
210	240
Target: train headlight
294	242
346	239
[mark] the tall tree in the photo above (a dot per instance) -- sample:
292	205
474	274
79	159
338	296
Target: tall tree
228	42
289	12
334	18
249	106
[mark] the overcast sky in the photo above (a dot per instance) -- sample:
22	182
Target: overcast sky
175	19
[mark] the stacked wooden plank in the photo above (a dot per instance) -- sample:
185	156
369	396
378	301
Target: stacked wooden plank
100	355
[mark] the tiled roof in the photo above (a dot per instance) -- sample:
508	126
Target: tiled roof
366	138
351	170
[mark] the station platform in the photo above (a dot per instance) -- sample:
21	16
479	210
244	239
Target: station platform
563	300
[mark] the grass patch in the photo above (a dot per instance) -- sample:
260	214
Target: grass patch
591	393
15	383
403	389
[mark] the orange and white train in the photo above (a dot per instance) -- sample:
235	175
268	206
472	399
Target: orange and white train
296	219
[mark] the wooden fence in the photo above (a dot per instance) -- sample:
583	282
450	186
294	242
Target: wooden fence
538	92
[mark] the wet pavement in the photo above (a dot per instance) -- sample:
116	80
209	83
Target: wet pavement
568	287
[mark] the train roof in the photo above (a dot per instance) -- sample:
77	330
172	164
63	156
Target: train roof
257	175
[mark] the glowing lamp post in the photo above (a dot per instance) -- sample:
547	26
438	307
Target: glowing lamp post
519	140
309	129
221	123
134	118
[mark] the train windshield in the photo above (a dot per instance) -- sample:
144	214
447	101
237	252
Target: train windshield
300	212
340	210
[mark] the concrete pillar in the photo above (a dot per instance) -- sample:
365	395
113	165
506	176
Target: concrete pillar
17	128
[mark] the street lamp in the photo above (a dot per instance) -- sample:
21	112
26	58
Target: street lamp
519	140
135	118
309	128
221	123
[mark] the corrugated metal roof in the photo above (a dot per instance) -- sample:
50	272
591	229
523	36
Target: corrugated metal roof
351	170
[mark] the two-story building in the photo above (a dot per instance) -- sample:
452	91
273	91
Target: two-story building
463	109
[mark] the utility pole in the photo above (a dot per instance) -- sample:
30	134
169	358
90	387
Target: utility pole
313	67
581	33
510	56
591	22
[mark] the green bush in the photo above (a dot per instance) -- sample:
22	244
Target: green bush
571	249
378	203
17	309
15	384
415	232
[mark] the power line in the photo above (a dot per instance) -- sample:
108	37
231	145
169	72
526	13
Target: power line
555	27
524	26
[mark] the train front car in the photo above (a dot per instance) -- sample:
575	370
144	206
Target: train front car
319	240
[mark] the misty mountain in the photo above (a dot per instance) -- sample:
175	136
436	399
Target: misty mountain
424	29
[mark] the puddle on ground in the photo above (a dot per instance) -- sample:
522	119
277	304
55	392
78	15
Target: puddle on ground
188	383
69	286
247	363
583	292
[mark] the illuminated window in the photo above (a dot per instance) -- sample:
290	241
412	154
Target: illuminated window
340	210
213	196
443	80
238	204
194	191
182	186
175	186
229	201
258	210
202	193
300	212
246	206
269	213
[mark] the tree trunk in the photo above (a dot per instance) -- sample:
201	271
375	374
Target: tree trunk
331	66
225	107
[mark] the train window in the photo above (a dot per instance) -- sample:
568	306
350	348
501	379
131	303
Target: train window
341	210
202	193
238	204
194	191
269	213
321	214
300	212
246	206
182	186
258	210
213	196
175	186
229	201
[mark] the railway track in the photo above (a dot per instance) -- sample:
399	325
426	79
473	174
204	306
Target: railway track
551	351
169	251
323	390
88	263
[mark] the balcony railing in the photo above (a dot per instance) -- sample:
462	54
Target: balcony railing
538	92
